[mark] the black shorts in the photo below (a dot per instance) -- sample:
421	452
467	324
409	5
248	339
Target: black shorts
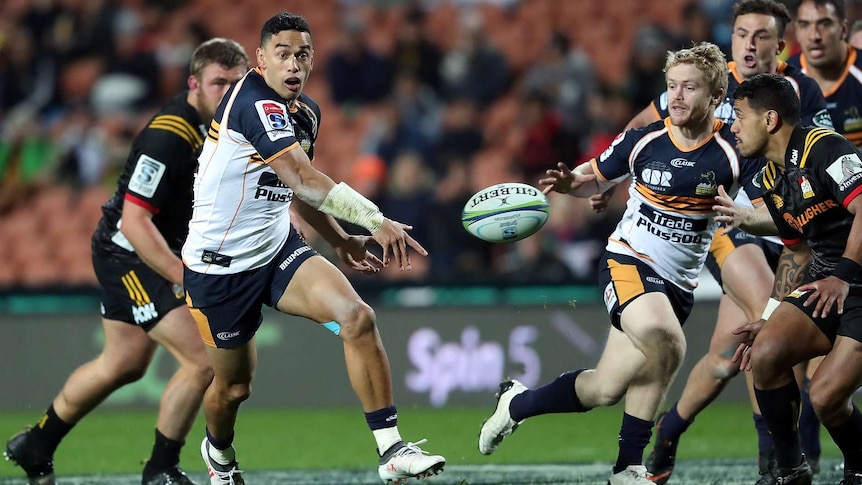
624	278
725	242
848	324
133	293
227	308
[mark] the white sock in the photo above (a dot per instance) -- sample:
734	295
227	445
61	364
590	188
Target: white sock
385	438
222	457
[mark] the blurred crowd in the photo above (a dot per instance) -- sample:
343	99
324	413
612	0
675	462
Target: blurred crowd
424	103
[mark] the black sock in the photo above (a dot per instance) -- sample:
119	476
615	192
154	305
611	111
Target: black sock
220	444
671	426
557	397
780	409
764	439
166	452
848	437
809	426
382	418
634	437
50	430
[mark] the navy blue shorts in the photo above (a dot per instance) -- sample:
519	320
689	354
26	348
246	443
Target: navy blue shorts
624	278
134	293
227	308
725	242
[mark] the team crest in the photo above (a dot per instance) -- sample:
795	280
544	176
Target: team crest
805	185
707	185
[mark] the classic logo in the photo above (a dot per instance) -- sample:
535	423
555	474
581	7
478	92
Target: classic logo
681	162
654	280
227	335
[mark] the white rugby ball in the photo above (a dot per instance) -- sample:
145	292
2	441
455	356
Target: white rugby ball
505	212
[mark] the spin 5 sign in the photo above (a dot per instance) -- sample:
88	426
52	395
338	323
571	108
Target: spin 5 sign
470	364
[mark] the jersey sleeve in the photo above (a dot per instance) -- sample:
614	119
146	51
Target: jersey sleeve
167	147
613	164
813	104
265	123
751	177
838	168
660	105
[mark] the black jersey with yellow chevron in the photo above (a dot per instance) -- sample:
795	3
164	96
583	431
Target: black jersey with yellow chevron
669	221
158	175
808	199
844	99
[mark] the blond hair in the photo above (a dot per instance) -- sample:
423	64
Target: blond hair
708	59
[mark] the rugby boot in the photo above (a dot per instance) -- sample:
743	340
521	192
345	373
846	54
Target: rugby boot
402	461
632	475
662	458
500	424
38	466
229	474
171	476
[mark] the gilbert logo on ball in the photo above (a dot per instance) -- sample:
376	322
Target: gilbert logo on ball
505	212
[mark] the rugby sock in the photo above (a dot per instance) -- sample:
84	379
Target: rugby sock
809	426
557	397
166	452
634	437
221	450
671	426
384	427
848	437
764	439
50	430
780	409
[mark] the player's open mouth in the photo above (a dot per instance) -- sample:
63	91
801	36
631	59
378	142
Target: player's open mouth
816	51
292	83
749	61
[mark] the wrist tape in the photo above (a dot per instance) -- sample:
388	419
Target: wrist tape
342	202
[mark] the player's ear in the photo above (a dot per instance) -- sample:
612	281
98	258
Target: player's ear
193	83
781	45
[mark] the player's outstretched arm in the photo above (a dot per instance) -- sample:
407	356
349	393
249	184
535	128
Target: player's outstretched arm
580	182
756	220
344	203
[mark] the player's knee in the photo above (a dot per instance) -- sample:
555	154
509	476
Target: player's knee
359	322
829	407
234	394
768	360
200	373
129	373
609	394
721	367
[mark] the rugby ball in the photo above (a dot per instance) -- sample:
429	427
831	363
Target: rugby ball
505	212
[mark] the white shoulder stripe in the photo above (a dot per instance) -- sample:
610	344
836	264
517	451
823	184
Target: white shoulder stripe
641	144
856	73
732	157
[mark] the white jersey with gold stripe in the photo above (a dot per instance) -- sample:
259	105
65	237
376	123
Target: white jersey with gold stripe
240	218
669	221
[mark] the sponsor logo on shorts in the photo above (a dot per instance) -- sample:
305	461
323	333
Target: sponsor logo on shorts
284	264
144	313
610	296
227	335
796	294
654	280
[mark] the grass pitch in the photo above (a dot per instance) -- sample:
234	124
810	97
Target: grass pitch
333	446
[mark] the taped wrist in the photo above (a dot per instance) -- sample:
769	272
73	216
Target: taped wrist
342	202
847	269
771	305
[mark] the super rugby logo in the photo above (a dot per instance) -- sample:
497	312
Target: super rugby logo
273	116
607	153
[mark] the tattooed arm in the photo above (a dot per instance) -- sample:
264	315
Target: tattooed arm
791	270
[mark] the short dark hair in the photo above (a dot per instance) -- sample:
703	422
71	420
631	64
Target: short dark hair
283	21
765	7
771	92
838	4
224	52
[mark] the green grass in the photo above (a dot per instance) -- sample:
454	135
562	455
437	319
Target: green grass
111	441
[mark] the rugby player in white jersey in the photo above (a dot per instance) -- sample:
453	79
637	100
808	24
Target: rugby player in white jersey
652	259
243	252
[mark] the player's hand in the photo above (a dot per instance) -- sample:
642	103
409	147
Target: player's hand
743	352
563	180
826	292
599	202
355	254
729	213
393	238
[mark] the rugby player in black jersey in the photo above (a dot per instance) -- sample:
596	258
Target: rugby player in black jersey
136	258
811	187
